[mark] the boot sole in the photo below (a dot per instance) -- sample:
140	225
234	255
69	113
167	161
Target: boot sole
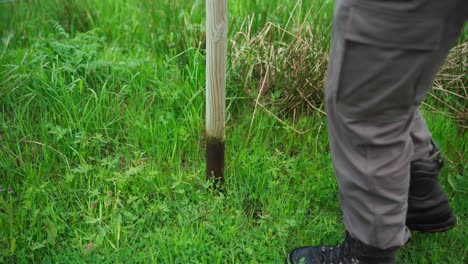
434	228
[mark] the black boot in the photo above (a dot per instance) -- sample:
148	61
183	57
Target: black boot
350	251
428	207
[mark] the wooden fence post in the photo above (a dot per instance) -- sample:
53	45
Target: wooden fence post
216	45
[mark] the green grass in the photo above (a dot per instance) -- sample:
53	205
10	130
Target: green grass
102	149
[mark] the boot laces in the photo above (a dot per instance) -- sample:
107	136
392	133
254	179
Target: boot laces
344	253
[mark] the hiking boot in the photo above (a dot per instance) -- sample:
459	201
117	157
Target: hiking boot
428	207
351	251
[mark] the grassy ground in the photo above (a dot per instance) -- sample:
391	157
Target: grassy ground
101	146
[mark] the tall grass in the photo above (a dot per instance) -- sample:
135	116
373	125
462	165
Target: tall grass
101	146
450	90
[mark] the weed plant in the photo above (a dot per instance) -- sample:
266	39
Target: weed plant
101	137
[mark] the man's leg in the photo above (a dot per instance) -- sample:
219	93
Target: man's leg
421	137
381	65
428	206
384	63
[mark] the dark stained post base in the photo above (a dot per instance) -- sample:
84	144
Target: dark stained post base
215	162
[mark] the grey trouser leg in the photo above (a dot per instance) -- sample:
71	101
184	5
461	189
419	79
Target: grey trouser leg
384	57
421	137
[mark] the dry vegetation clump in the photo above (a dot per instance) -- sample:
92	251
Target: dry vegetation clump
286	71
282	69
450	87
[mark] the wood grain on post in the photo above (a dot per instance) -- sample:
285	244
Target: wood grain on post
216	45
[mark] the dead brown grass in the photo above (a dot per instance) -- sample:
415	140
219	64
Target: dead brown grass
280	68
450	87
284	71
